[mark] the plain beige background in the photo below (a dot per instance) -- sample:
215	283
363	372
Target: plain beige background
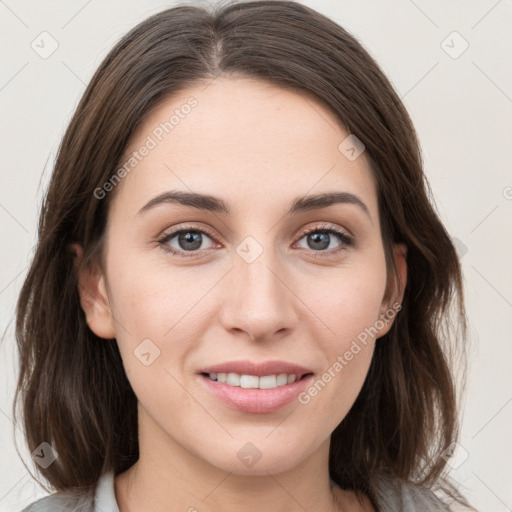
450	63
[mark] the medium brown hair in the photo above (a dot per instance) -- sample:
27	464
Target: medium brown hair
74	392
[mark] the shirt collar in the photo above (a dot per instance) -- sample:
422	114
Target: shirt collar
105	497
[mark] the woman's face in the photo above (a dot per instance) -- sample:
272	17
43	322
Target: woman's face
245	283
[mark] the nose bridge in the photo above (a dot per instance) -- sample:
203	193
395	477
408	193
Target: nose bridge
260	303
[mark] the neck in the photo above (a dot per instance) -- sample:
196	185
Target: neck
168	477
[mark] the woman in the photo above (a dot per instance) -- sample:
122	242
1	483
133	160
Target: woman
240	290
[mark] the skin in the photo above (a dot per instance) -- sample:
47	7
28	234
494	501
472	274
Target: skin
258	147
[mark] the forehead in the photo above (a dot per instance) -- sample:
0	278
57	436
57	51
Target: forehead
242	139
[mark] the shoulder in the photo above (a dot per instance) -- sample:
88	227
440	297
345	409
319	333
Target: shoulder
62	502
96	499
394	494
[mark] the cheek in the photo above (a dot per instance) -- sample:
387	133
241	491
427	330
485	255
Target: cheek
155	309
153	300
162	313
348	306
348	300
350	309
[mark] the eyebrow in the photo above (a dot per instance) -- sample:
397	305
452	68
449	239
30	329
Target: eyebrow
214	204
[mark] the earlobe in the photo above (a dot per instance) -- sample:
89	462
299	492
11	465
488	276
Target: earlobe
93	296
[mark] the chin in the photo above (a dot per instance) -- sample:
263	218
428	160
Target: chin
271	464
257	459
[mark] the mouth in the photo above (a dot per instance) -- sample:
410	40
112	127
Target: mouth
255	387
247	381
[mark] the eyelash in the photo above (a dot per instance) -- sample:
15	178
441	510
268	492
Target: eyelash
346	240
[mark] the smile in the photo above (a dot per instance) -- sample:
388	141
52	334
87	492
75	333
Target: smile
253	381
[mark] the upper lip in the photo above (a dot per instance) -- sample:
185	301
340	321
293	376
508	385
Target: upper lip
257	369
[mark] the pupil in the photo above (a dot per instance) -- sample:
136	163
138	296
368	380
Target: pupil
320	239
190	237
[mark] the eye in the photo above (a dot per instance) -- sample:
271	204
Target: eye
321	237
188	240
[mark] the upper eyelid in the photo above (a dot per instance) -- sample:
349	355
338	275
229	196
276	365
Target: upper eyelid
173	232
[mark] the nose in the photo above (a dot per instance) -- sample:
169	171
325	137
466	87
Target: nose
260	303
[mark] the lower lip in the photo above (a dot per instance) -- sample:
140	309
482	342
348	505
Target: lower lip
256	400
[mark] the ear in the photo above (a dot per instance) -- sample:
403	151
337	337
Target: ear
393	296
93	296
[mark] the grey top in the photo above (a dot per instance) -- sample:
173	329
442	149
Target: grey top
392	496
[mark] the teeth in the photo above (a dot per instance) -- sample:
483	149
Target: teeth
253	381
282	379
268	382
233	379
249	381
